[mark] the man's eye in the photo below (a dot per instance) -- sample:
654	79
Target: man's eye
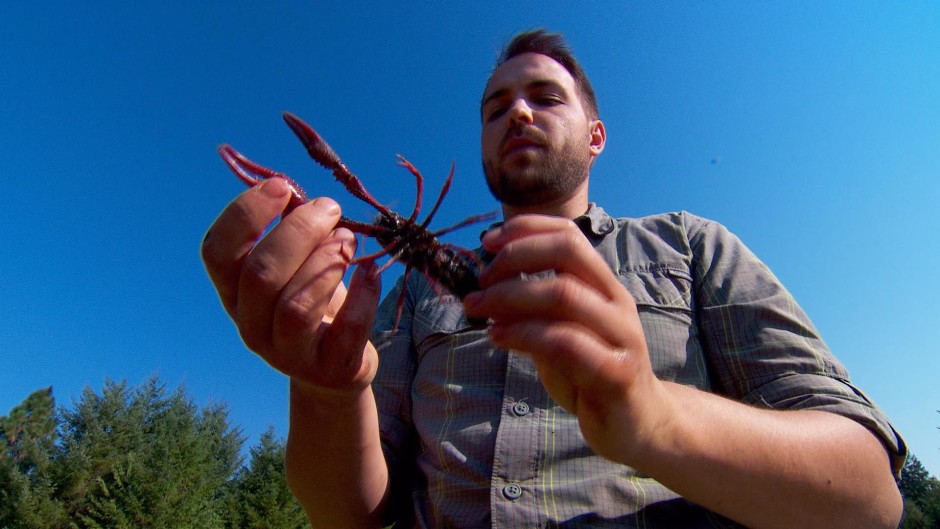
549	100
495	112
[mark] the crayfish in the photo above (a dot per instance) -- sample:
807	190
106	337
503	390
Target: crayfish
403	239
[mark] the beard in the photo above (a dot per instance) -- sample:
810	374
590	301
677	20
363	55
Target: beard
546	179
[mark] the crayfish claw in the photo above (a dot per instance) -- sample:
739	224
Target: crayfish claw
318	149
323	154
448	267
252	174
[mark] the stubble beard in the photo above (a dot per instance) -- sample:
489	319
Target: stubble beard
539	181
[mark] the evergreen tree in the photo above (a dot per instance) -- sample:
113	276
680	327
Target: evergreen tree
921	493
139	458
915	482
262	497
914	518
27	451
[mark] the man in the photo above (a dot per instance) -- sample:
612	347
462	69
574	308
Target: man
633	373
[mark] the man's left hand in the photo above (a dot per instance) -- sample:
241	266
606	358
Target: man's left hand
550	294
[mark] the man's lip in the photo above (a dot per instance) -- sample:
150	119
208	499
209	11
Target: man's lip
517	143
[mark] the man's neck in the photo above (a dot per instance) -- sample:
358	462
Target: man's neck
569	207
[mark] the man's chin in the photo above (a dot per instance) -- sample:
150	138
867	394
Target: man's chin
524	152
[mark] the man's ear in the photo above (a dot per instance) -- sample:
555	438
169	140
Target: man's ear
598	137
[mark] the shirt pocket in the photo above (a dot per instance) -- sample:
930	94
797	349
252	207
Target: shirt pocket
442	322
664	301
662	286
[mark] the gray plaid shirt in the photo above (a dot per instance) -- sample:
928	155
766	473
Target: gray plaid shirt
473	440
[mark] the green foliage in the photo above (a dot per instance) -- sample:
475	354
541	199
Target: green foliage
914	518
921	493
142	458
137	457
915	482
27	452
262	497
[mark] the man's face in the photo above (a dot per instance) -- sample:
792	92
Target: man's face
537	141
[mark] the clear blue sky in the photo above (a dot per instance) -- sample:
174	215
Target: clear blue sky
811	129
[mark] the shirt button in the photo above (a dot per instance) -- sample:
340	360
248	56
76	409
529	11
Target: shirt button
512	491
520	408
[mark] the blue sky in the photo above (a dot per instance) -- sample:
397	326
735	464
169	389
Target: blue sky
811	129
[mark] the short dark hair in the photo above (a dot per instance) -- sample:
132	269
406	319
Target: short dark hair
553	46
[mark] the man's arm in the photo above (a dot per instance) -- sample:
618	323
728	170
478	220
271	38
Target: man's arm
285	294
760	467
335	465
767	468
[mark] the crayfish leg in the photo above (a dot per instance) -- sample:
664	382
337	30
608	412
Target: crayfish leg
373	257
419	180
440	198
400	305
466	222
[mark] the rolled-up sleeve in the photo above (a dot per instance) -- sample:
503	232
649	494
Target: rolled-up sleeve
761	345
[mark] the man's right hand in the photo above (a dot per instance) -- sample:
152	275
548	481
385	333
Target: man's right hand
285	293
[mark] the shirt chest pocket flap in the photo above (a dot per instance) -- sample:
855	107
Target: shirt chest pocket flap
659	286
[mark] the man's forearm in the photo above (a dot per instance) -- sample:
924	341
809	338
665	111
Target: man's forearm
766	468
335	464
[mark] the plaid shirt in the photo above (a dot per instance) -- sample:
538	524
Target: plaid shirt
473	439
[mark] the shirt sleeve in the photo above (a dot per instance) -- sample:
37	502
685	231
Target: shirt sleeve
761	345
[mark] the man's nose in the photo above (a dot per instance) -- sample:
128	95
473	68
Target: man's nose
520	112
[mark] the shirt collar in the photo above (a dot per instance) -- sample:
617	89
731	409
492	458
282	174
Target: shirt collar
595	222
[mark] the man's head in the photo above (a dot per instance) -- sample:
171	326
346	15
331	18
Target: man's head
554	46
540	131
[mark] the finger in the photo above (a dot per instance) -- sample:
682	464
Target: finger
566	355
304	301
573	353
234	233
559	298
565	251
339	297
523	226
345	351
272	264
353	323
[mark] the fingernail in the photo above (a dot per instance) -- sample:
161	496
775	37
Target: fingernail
274	188
328	206
492	233
490	241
